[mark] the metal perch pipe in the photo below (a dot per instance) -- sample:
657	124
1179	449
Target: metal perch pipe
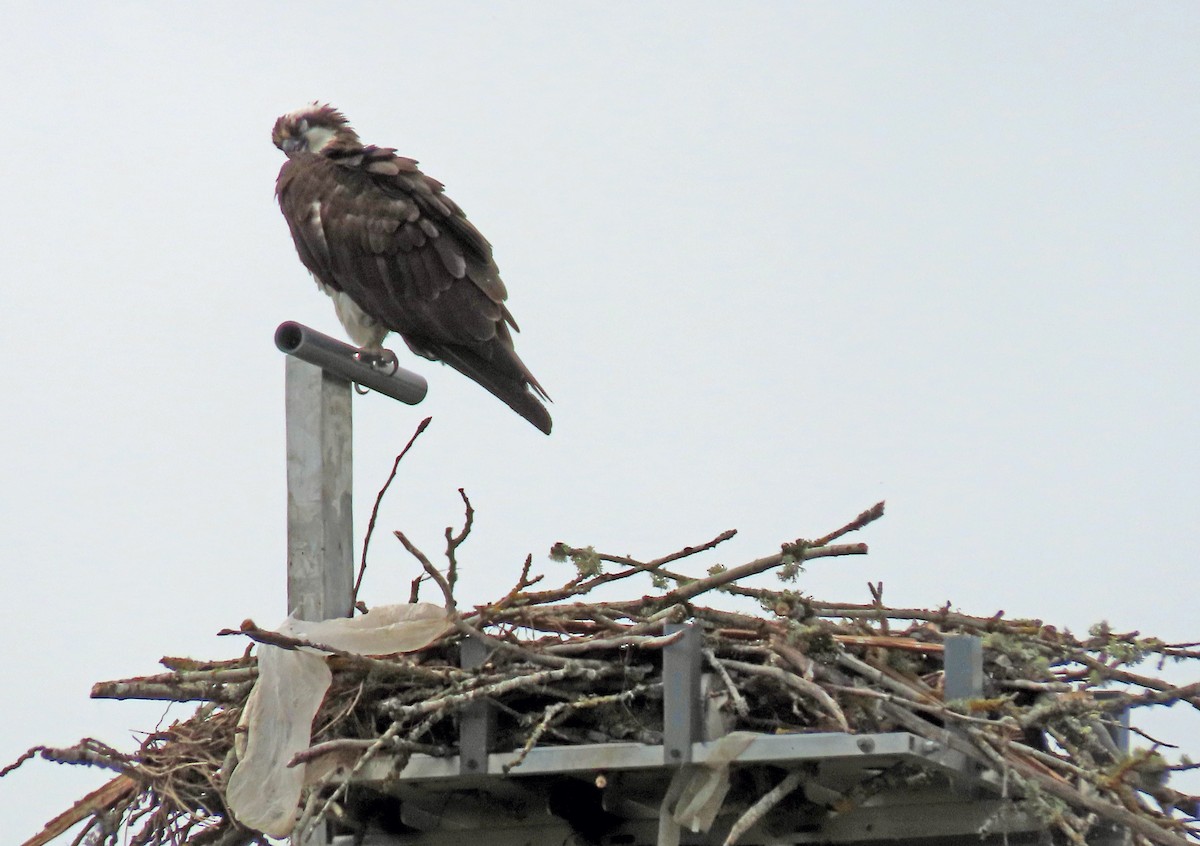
340	359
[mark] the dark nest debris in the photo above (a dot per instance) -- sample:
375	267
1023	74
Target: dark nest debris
563	668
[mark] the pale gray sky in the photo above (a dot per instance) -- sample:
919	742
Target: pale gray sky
773	261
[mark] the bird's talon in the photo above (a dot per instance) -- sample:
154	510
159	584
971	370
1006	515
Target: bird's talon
382	359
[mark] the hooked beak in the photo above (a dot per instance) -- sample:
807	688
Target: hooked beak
291	145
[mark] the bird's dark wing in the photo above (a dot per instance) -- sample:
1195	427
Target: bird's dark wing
367	222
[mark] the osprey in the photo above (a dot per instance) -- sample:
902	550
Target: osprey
397	255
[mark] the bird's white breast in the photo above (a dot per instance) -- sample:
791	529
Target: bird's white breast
364	330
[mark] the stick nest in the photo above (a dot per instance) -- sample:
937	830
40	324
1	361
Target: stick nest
565	668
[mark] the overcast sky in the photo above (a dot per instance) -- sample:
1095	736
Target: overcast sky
774	262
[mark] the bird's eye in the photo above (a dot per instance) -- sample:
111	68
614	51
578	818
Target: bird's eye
303	127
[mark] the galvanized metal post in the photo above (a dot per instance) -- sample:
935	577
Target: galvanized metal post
682	706
477	721
318	374
963	661
320	567
1118	730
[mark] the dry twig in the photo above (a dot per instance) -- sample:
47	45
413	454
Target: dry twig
362	567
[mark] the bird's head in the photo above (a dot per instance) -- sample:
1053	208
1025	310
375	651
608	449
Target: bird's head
311	129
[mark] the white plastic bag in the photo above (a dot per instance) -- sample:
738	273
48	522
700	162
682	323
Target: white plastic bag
263	792
697	791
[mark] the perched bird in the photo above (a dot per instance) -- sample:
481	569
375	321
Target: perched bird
397	255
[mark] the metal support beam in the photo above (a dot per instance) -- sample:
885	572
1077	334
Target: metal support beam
320	567
682	703
874	750
1119	730
964	667
477	721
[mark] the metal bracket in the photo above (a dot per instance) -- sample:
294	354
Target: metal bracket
682	703
1120	732
477	721
339	359
963	661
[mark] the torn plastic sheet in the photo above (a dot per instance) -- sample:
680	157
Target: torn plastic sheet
264	791
697	791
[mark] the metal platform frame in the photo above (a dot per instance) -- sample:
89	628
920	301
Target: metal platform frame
851	792
434	805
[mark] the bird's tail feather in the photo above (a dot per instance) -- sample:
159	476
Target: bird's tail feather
513	392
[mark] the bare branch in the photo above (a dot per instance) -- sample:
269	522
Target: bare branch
764	805
362	567
453	541
693	589
581	585
433	572
809	689
866	518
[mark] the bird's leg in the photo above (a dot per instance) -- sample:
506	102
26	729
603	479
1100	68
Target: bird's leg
379	358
